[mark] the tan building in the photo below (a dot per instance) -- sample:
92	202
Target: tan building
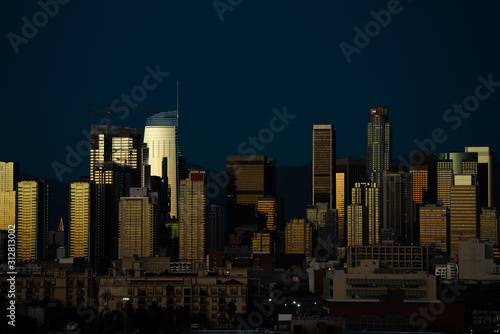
9	174
449	164
323	164
464	213
85	238
192	217
298	234
367	195
340	200
199	294
434	221
475	261
32	220
420	187
137	226
357	222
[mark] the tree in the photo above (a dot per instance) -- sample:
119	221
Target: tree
231	311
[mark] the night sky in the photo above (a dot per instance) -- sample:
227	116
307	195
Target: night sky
233	73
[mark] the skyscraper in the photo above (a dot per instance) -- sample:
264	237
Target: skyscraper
367	194
298	235
250	178
464	212
9	176
271	211
378	144
161	136
434	221
398	205
357	225
192	217
262	243
324	223
486	167
489	225
215	228
137	225
323	164
32	220
85	237
349	171
449	164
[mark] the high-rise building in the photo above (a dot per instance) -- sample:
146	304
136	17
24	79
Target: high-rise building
115	146
357	225
486	167
378	144
434	222
324	223
32	220
298	236
161	136
367	194
215	228
449	164
398	205
250	178
85	237
349	171
192	217
271	211
137	224
323	164
464	212
489	226
9	176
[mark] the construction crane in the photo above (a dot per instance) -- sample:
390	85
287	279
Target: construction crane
109	111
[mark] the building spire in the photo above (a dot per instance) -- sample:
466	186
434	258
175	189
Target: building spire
61	226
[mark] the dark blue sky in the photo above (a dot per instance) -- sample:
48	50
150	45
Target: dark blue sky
263	55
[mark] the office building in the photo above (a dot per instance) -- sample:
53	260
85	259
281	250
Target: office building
161	137
85	231
215	235
489	225
9	176
378	144
262	243
349	171
366	194
137	224
192	217
270	211
434	222
486	166
32	225
449	164
324	223
398	205
298	238
250	178
464	212
357	225
323	164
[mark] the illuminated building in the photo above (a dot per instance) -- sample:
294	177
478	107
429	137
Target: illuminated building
366	194
85	237
324	223
250	178
357	222
271	209
192	217
349	171
298	235
262	243
160	135
32	220
449	164
9	176
137	224
323	164
489	225
464	213
434	221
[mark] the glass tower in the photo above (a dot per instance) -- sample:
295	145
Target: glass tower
9	175
378	144
323	164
